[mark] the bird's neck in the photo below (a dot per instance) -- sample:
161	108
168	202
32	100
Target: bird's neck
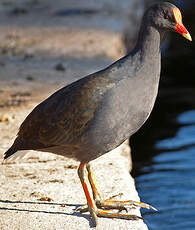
149	41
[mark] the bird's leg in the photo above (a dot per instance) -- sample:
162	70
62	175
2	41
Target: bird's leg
90	202
104	208
94	185
95	188
96	194
110	203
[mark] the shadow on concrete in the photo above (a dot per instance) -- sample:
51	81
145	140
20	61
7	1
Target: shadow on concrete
75	213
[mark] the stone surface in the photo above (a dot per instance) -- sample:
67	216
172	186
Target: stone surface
25	186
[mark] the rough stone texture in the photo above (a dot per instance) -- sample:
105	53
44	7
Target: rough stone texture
42	190
42	177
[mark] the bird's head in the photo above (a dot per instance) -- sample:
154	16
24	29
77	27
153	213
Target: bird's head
166	16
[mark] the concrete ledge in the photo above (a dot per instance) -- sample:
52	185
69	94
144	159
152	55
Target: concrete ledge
43	191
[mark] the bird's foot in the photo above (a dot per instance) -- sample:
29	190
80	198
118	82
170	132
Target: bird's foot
117	205
100	207
113	212
84	208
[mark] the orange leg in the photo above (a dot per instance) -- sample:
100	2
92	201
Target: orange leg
93	183
90	202
110	203
97	206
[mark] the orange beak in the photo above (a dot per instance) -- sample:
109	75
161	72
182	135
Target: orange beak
180	28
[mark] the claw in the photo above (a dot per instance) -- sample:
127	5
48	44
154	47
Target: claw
82	209
142	205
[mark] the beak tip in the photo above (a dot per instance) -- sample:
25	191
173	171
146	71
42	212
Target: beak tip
187	36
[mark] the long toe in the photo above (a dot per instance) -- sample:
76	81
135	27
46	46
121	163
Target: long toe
103	205
122	205
111	214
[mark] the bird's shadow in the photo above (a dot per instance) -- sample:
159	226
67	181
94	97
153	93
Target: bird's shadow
74	213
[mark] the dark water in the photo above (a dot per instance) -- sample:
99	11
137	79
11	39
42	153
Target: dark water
169	182
163	150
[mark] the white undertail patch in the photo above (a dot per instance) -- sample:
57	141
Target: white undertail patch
16	156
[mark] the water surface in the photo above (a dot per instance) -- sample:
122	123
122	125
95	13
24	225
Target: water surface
169	183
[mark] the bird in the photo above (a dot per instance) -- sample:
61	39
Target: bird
98	112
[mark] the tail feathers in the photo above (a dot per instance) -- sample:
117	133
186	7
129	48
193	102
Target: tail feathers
12	155
9	153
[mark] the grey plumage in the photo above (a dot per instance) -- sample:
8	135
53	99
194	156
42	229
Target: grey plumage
98	112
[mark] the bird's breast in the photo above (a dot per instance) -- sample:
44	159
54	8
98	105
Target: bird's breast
122	112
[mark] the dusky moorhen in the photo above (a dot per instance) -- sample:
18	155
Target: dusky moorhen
97	113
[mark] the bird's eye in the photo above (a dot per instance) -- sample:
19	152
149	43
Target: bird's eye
166	16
